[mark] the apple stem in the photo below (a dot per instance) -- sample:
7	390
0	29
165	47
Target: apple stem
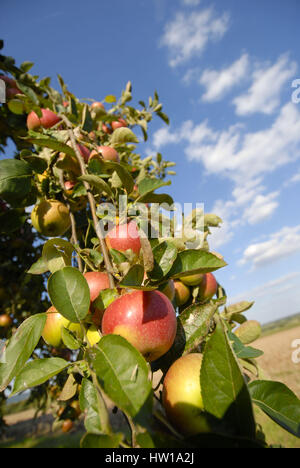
92	203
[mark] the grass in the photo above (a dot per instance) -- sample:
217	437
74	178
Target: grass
51	441
281	325
275	435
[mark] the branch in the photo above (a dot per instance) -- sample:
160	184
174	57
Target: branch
92	203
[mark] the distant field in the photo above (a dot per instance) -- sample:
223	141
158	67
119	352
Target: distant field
280	325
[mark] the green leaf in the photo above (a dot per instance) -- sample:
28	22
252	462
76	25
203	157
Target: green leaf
20	348
148	185
123	135
69	390
118	257
47	141
69	339
38	372
105	298
110	99
164	257
70	294
124	175
156	198
242	351
238	308
196	321
15	179
39	267
123	374
90	441
37	164
279	403
89	404
191	261
134	277
26	66
57	253
28	91
224	391
87	121
96	182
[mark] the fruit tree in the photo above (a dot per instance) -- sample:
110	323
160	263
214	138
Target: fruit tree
100	303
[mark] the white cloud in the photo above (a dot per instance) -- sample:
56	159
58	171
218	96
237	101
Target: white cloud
293	180
188	34
279	245
191	2
261	208
217	83
264	94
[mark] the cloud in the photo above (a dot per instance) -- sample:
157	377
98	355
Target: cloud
267	82
280	244
187	34
219	82
261	208
293	180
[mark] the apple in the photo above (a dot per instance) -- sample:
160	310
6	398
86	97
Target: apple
97	281
69	185
182	293
11	87
48	119
118	124
53	328
192	280
146	319
85	152
208	287
108	153
67	425
5	321
93	336
124	237
169	290
182	397
97	109
51	218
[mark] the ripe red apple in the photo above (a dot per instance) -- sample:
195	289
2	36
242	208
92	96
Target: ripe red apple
53	328
48	119
108	153
118	124
169	290
97	281
144	318
11	87
85	152
69	185
192	280
182	293
182	397
124	237
5	321
51	218
208	287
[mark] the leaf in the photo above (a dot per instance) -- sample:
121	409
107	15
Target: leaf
90	441
89	404
124	175
242	351
164	257
279	403
57	253
238	308
105	298
196	322
96	182
87	121
69	390
134	277
149	185
39	267
224	391
70	294
38	372
28	91
192	261
123	374
37	164
15	179
47	141
110	99
123	135
157	198
69	339
20	348
11	220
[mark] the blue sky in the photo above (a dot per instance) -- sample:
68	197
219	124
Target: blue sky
224	72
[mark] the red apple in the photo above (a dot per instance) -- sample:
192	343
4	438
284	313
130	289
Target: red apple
124	237
5	321
118	124
108	153
85	152
106	129
67	425
48	119
144	318
97	281
182	397
208	287
182	293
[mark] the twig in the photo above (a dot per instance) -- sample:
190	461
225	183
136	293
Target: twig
92	203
